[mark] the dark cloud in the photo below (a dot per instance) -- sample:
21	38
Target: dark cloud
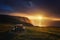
24	5
15	5
5	7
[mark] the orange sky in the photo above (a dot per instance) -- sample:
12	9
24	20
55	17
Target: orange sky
37	20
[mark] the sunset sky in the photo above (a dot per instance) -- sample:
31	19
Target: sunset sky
40	12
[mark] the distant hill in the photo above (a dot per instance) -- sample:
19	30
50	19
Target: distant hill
7	19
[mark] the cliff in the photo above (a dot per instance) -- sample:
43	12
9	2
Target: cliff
7	19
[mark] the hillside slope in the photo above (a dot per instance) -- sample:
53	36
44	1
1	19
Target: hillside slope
6	21
36	33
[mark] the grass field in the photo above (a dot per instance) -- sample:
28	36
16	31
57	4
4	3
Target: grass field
36	33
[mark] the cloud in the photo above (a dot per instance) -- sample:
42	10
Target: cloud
26	5
5	7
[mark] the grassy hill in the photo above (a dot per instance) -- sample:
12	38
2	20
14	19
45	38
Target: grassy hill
36	33
6	21
33	33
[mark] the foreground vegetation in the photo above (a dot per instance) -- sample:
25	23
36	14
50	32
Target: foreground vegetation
34	33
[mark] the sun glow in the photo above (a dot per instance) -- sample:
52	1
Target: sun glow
38	20
41	20
39	17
